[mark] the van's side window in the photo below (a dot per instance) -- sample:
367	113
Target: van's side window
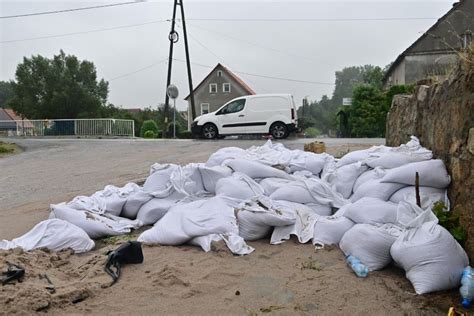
233	107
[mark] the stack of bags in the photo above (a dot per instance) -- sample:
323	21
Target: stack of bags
363	202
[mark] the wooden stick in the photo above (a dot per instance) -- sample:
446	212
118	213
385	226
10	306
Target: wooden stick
417	189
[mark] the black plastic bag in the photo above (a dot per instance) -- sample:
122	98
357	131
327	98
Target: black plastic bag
129	252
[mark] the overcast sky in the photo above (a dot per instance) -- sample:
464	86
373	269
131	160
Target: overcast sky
129	57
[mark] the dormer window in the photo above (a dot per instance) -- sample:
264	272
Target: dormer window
213	88
219	73
226	87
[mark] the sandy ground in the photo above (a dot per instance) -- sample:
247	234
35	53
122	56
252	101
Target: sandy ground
280	279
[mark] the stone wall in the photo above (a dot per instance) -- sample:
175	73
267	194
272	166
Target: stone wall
442	116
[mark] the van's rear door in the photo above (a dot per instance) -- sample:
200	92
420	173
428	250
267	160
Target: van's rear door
294	112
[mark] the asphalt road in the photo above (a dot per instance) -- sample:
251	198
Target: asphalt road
55	170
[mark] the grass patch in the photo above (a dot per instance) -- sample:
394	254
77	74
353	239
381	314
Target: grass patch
8	148
312	265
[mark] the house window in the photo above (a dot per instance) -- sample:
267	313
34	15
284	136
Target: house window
466	39
213	88
219	73
204	108
226	87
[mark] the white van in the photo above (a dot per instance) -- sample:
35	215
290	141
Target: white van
273	114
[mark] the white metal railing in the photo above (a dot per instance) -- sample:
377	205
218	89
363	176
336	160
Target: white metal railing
65	127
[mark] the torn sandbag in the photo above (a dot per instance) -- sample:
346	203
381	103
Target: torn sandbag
440	263
432	173
96	226
53	234
303	228
369	210
257	216
150	212
187	180
328	230
238	186
255	169
370	244
376	189
311	190
210	176
346	176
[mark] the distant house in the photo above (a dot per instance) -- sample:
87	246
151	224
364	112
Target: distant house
217	88
9	119
436	51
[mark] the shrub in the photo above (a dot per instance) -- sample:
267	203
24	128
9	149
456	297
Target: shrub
150	134
450	221
149	125
312	132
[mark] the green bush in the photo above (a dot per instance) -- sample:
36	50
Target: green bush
150	134
450	221
149	125
312	132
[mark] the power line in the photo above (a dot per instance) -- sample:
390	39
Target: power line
83	32
264	76
138	70
311	20
264	47
69	10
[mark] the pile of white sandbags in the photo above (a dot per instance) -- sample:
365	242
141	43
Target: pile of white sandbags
363	202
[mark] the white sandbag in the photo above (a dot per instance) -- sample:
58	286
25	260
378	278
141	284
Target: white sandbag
376	189
223	154
270	185
346	176
96	226
392	160
186	221
236	244
367	176
187	180
53	234
205	242
359	155
309	191
369	210
370	244
303	228
210	176
429	196
431	257
308	161
328	230
432	173
238	186
255	169
134	202
158	181
88	203
115	197
320	209
257	216
156	208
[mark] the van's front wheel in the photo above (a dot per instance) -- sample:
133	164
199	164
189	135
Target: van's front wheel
278	130
209	131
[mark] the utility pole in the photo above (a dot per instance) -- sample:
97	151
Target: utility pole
173	37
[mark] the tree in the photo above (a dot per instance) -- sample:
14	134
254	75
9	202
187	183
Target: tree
61	87
368	113
6	92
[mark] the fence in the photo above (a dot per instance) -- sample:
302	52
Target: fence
64	127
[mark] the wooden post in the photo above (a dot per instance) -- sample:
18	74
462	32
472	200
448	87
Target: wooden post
417	189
